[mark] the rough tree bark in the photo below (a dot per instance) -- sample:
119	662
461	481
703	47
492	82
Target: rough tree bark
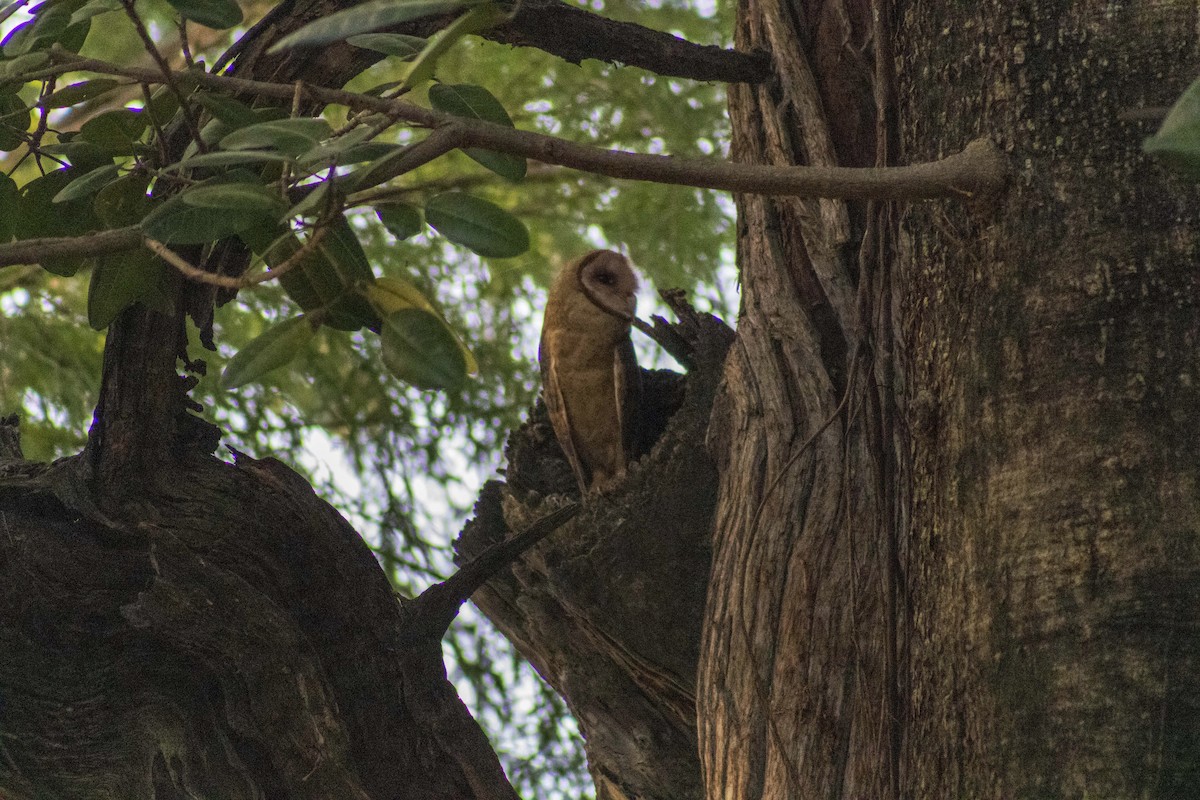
609	610
799	680
175	626
957	529
1055	474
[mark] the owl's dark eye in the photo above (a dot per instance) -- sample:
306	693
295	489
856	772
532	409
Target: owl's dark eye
607	278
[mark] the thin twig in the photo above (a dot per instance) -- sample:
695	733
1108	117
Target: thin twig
184	45
11	9
160	138
297	94
979	170
43	122
168	76
225	281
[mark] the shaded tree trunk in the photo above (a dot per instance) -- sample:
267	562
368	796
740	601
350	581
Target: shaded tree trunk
956	535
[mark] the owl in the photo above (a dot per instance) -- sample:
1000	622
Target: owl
590	378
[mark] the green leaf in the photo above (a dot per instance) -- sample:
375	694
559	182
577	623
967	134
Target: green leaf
124	201
38	216
81	153
401	219
229	120
162	106
233	113
183	220
270	350
389	295
14	121
9	197
234	197
50	21
312	204
379	170
79	92
226	159
291	136
94	8
22	64
118	281
476	102
477	19
364	18
51	24
391	44
115	131
1177	143
477	225
342	248
350	148
87	184
418	348
470	101
217	14
274	244
328	276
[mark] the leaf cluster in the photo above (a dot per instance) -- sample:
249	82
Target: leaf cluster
283	185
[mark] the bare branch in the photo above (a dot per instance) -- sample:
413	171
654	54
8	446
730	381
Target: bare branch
435	608
976	174
574	33
979	171
567	31
165	68
227	281
34	251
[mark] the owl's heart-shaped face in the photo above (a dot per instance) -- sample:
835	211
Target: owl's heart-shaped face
608	281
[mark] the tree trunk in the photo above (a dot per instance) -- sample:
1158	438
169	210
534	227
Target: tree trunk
957	527
609	610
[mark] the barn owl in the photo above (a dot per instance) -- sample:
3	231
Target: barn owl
590	378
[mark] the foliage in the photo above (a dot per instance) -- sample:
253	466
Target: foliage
433	276
1177	142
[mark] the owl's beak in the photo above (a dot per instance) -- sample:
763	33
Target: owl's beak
630	307
622	308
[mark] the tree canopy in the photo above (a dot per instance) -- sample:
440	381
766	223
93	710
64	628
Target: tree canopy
84	152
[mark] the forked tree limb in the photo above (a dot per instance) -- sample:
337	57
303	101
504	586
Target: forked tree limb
975	175
569	32
573	34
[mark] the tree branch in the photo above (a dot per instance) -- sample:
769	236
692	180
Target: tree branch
34	251
980	171
573	34
435	608
227	281
977	174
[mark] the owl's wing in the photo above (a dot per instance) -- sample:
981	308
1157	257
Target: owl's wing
627	379
559	419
